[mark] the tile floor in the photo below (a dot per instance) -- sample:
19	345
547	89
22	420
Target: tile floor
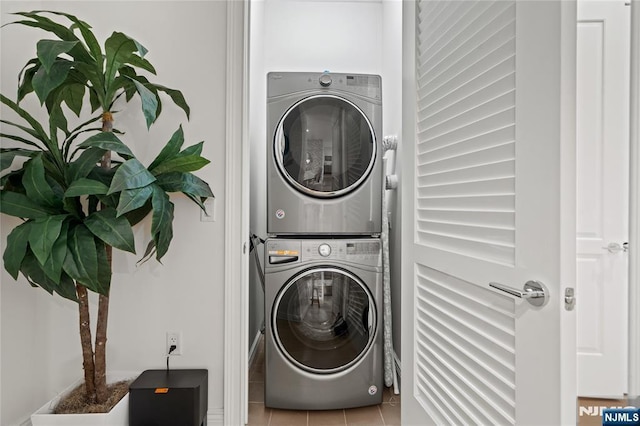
587	417
385	414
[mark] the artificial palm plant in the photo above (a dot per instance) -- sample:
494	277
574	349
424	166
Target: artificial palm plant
80	191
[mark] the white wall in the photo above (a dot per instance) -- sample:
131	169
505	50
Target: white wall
315	35
40	344
392	124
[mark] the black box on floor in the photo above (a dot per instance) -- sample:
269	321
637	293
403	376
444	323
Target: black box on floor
169	398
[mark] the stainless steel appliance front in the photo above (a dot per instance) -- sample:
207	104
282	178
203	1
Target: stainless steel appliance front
323	337
324	172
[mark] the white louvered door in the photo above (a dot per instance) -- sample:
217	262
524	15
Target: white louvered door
488	196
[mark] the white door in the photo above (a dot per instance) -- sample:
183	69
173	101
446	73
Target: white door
602	198
488	195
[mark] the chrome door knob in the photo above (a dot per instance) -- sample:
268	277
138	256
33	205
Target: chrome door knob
617	248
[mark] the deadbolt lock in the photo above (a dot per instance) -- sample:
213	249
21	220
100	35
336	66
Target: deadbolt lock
569	299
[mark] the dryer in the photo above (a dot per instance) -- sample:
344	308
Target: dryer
324	156
323	323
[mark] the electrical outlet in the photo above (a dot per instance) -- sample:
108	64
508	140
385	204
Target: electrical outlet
174	338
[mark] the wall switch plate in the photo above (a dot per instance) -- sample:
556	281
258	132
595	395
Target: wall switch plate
210	215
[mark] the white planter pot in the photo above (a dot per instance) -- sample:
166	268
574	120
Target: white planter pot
118	416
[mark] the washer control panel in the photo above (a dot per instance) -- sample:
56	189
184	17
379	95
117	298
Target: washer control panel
365	251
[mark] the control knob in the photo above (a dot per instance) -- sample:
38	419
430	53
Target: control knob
325	80
324	250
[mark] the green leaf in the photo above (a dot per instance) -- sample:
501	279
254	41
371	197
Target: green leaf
57	119
86	186
73	95
94	100
199	201
115	231
85	163
64	33
108	141
44	82
19	205
81	262
177	98
104	269
162	221
171	149
53	265
192	150
25	77
36	185
187	163
149	103
48	51
44	233
37	132
102	175
8	154
121	49
25	129
19	139
135	216
66	288
32	270
85	30
184	182
36	276
141	49
140	62
150	251
131	174
16	248
132	199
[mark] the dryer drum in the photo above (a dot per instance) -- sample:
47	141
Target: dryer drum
324	320
324	146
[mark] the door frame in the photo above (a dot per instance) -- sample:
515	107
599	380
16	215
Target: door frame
634	204
236	253
237	191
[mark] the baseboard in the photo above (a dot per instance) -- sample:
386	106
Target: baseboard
215	417
253	350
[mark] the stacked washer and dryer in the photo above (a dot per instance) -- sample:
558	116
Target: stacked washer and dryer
323	261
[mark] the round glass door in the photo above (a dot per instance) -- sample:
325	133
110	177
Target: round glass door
324	320
325	146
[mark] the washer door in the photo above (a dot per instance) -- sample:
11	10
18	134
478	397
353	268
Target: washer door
324	320
324	146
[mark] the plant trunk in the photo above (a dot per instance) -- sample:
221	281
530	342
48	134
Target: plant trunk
101	350
85	340
103	302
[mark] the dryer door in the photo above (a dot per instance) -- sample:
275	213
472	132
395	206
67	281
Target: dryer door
324	320
325	146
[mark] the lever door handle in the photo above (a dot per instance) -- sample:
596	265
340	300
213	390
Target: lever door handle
616	247
533	292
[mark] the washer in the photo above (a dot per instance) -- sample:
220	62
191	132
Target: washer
323	323
324	156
